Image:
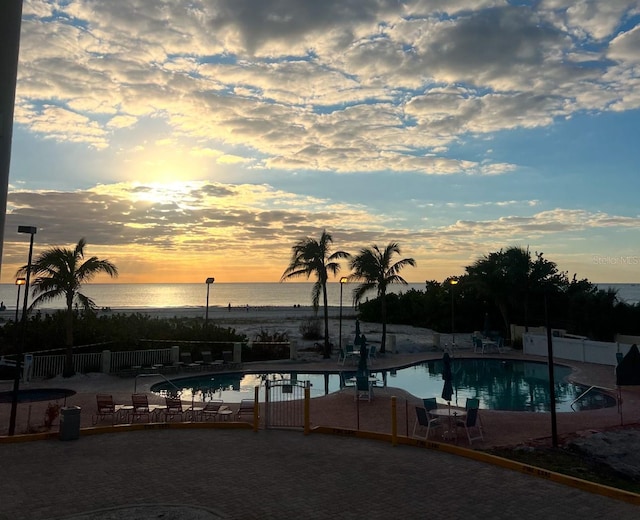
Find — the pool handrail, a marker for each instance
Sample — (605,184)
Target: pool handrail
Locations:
(135,384)
(593,387)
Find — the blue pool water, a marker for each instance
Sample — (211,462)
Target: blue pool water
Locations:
(498,384)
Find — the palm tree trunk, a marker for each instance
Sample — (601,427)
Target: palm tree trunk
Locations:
(68,362)
(383,341)
(327,346)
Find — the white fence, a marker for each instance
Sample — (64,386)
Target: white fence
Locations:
(105,361)
(49,366)
(584,350)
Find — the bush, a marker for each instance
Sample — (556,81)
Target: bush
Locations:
(311,329)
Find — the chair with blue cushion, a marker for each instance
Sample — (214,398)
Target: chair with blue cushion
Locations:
(425,422)
(471,425)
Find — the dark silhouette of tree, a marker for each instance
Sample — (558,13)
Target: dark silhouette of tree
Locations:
(374,268)
(60,272)
(313,257)
(510,279)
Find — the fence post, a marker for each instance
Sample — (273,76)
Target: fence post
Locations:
(256,409)
(105,362)
(293,349)
(307,399)
(175,354)
(237,353)
(394,421)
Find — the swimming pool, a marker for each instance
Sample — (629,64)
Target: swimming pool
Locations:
(498,384)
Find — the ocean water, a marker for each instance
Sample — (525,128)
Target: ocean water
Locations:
(147,296)
(141,296)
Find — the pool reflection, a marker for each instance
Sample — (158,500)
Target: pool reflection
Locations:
(498,384)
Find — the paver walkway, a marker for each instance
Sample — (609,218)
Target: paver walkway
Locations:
(272,474)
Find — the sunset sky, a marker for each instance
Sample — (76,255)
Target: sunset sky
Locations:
(193,138)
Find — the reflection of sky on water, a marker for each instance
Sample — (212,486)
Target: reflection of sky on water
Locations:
(500,385)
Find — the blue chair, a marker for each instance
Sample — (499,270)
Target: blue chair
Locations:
(471,425)
(425,421)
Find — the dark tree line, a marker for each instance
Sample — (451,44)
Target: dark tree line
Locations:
(510,287)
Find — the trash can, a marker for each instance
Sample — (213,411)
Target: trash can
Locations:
(70,423)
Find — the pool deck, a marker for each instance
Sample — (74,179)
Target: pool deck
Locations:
(338,409)
(202,474)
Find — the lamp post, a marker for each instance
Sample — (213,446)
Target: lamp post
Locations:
(453,283)
(208,281)
(31,230)
(19,282)
(343,280)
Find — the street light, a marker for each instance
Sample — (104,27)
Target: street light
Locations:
(453,282)
(208,281)
(19,282)
(31,230)
(343,280)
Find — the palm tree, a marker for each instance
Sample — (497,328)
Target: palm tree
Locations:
(374,268)
(314,257)
(59,272)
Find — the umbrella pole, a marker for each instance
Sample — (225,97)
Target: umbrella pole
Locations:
(620,405)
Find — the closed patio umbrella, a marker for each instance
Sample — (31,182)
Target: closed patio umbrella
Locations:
(627,374)
(447,376)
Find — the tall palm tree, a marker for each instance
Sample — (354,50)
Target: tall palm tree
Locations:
(314,257)
(375,269)
(61,272)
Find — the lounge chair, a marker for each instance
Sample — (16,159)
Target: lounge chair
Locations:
(187,362)
(211,409)
(140,407)
(208,361)
(246,407)
(425,422)
(173,408)
(105,407)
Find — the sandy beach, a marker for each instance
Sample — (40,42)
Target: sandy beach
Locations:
(409,345)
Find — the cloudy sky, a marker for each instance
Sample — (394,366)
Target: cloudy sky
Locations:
(191,138)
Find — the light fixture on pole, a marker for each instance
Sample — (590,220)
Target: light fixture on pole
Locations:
(343,280)
(19,282)
(453,283)
(31,230)
(208,281)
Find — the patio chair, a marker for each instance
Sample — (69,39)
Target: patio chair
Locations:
(246,407)
(373,353)
(474,402)
(105,407)
(424,421)
(173,408)
(471,425)
(477,344)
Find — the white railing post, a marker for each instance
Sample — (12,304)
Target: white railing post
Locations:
(175,354)
(237,352)
(105,363)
